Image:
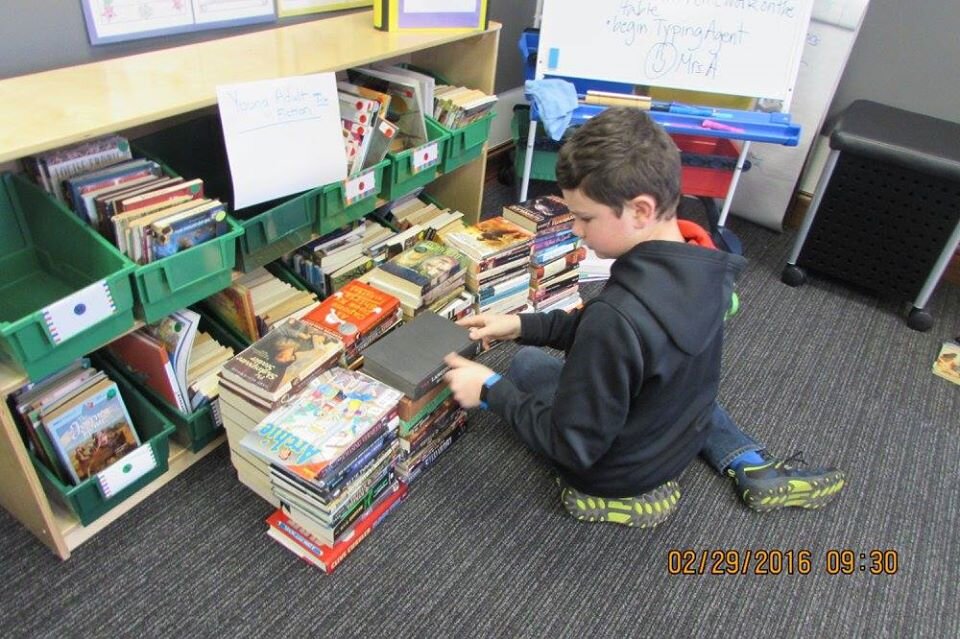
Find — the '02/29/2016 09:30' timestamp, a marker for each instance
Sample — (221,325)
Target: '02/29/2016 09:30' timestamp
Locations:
(775,561)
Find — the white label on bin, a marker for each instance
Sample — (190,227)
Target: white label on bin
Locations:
(359,187)
(79,311)
(126,470)
(424,157)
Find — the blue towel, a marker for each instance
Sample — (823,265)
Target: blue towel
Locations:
(555,100)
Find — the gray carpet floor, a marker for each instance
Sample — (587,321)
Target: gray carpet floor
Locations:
(481,547)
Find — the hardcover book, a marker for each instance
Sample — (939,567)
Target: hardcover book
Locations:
(539,214)
(418,275)
(283,359)
(333,418)
(410,358)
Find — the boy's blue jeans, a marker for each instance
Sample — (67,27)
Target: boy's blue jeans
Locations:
(536,372)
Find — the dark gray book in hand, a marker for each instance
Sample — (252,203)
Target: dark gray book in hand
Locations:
(410,358)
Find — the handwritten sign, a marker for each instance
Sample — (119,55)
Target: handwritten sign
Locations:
(282,136)
(739,47)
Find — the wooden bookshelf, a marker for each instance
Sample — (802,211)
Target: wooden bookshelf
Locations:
(42,111)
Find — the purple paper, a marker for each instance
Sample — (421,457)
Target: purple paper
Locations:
(446,20)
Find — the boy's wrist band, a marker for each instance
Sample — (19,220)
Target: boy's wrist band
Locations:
(487,383)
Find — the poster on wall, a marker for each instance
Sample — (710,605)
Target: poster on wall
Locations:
(287,8)
(119,20)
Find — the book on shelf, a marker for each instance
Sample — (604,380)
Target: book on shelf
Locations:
(319,431)
(91,431)
(50,168)
(539,214)
(81,189)
(410,358)
(282,360)
(327,557)
(406,103)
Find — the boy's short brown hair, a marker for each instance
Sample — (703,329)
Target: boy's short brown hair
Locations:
(620,154)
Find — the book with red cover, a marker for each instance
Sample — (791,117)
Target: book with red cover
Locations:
(353,312)
(328,557)
(148,358)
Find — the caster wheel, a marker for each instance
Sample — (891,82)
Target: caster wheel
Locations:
(793,275)
(920,320)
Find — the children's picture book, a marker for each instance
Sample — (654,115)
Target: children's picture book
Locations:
(336,414)
(170,236)
(282,360)
(947,364)
(177,333)
(92,431)
(353,311)
(489,238)
(149,360)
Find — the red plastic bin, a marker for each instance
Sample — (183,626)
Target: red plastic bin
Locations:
(703,181)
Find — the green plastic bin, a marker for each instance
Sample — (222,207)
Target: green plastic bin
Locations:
(51,261)
(335,211)
(466,143)
(86,500)
(196,149)
(403,174)
(175,282)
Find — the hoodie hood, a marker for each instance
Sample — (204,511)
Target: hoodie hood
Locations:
(685,287)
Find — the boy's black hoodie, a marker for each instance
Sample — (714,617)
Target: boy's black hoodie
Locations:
(641,373)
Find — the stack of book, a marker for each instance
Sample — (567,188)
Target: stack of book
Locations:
(410,359)
(424,277)
(326,263)
(256,302)
(556,253)
(75,422)
(413,212)
(330,451)
(175,359)
(145,213)
(261,378)
(498,261)
(455,106)
(357,314)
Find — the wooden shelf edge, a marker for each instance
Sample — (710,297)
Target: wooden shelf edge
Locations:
(180,460)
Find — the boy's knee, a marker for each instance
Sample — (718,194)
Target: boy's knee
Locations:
(523,364)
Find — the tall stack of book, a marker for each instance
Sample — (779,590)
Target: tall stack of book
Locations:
(330,452)
(556,253)
(424,277)
(357,314)
(256,302)
(498,254)
(262,377)
(410,359)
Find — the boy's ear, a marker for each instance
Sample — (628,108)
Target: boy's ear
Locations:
(644,208)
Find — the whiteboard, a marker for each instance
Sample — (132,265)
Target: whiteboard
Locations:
(737,47)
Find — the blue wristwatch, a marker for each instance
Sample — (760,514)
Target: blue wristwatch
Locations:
(487,383)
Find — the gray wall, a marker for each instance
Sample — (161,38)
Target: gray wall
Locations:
(905,56)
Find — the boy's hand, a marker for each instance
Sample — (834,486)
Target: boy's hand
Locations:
(488,326)
(465,378)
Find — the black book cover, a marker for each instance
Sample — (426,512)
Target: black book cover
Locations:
(410,358)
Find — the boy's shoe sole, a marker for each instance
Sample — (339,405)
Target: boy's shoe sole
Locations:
(644,511)
(811,492)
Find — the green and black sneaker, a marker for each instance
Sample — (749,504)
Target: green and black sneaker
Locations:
(644,511)
(779,483)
